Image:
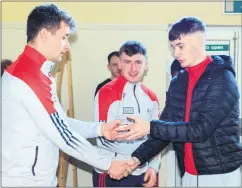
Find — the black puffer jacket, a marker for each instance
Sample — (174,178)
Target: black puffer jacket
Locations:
(213,129)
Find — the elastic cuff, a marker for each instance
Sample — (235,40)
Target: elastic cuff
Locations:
(99,129)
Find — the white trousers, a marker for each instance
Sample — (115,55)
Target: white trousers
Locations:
(232,179)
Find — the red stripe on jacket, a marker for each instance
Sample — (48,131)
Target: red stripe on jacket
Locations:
(28,68)
(151,94)
(104,95)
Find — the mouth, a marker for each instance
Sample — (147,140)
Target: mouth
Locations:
(132,75)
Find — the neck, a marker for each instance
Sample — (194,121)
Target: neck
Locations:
(35,46)
(200,58)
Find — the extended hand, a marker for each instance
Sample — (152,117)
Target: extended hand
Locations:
(134,131)
(150,178)
(119,169)
(133,163)
(108,129)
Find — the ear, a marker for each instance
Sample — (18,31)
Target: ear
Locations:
(108,66)
(44,34)
(146,65)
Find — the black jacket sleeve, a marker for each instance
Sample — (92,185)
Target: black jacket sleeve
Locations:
(221,97)
(151,147)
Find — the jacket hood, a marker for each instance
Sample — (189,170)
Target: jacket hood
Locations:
(221,62)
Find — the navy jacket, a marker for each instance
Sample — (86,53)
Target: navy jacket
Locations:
(213,129)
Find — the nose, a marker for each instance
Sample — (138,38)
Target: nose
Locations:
(119,68)
(133,66)
(67,46)
(176,53)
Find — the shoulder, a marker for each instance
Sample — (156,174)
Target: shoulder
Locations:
(103,83)
(149,92)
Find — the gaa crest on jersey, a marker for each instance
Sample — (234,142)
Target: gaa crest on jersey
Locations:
(128,110)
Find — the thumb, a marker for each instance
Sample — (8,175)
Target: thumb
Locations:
(117,122)
(132,119)
(114,124)
(146,176)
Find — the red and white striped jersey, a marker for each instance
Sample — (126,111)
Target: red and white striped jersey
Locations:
(34,126)
(117,100)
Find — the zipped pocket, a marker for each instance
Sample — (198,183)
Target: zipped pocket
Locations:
(35,159)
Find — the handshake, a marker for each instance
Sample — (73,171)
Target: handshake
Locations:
(120,169)
(114,130)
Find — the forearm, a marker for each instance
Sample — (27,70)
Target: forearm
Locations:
(89,154)
(86,129)
(149,149)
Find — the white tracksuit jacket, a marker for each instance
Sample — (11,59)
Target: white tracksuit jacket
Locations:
(34,126)
(117,100)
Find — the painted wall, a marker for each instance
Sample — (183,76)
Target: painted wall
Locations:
(129,12)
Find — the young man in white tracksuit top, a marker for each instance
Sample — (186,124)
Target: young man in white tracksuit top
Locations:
(34,125)
(121,97)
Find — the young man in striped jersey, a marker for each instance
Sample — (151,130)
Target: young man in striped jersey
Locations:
(34,125)
(119,98)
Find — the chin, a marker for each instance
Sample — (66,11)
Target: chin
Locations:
(183,65)
(134,81)
(58,60)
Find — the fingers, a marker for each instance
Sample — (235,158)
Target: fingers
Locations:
(134,136)
(119,169)
(149,181)
(129,169)
(114,124)
(146,177)
(131,135)
(113,134)
(117,123)
(122,129)
(125,132)
(149,184)
(150,178)
(108,129)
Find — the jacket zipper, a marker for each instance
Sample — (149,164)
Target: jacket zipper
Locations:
(136,99)
(35,160)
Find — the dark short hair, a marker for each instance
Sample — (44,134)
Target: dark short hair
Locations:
(49,17)
(186,26)
(4,64)
(132,48)
(176,67)
(114,53)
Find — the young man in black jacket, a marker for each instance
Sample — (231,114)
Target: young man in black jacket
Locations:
(201,114)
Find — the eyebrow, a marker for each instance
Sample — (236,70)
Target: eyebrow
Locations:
(180,43)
